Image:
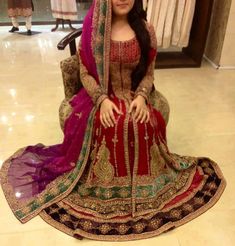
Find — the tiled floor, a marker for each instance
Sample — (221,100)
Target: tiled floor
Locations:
(202,123)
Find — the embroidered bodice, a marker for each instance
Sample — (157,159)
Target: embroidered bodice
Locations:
(124,56)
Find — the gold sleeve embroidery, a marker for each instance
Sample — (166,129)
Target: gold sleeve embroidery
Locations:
(89,83)
(146,85)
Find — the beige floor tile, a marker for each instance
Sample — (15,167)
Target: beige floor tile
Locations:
(212,228)
(52,237)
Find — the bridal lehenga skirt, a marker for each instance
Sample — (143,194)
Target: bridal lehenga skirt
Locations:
(123,184)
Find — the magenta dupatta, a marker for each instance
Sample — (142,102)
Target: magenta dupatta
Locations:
(37,176)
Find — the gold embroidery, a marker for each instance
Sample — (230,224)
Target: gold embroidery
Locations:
(98,192)
(73,164)
(105,228)
(124,193)
(108,193)
(175,213)
(87,225)
(209,170)
(122,229)
(198,200)
(146,137)
(83,190)
(94,90)
(113,207)
(103,169)
(65,217)
(139,227)
(54,210)
(147,146)
(211,185)
(144,193)
(155,223)
(92,157)
(115,140)
(188,207)
(79,115)
(207,192)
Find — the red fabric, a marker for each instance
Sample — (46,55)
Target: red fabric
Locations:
(152,55)
(156,126)
(131,49)
(195,183)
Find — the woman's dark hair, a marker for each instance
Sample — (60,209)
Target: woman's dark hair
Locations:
(136,19)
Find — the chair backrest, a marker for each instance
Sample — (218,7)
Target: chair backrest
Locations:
(70,40)
(70,66)
(71,76)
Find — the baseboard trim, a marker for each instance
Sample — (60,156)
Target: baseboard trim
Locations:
(218,66)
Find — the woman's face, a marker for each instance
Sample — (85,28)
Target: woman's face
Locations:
(122,7)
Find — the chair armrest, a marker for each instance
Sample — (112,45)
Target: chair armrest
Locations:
(160,103)
(70,39)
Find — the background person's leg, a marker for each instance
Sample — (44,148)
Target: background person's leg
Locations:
(28,24)
(15,24)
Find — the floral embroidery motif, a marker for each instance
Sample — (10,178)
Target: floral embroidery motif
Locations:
(105,228)
(124,193)
(122,229)
(103,169)
(79,115)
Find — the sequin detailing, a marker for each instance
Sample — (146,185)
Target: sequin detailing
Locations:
(103,169)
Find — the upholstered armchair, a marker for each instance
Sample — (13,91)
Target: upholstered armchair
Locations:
(72,83)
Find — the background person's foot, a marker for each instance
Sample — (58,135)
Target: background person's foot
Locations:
(14,29)
(29,32)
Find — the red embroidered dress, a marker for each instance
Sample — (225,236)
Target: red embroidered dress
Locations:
(118,183)
(133,187)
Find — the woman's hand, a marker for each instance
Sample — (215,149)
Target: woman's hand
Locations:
(106,113)
(141,110)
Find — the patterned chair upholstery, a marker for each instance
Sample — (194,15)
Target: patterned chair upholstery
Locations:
(72,83)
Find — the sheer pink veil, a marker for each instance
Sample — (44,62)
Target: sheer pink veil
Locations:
(38,175)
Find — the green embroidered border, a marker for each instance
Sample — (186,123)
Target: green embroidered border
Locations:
(100,192)
(100,39)
(64,185)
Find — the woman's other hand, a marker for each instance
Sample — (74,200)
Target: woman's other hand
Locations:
(106,113)
(141,110)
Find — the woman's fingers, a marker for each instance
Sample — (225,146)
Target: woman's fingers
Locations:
(140,115)
(116,109)
(144,118)
(132,105)
(148,117)
(112,117)
(106,120)
(102,120)
(137,112)
(109,120)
